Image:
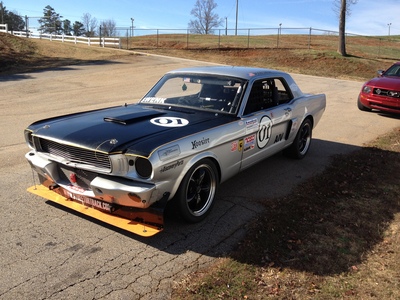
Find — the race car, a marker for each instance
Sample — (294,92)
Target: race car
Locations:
(193,130)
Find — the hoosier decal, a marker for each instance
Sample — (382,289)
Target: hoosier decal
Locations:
(198,143)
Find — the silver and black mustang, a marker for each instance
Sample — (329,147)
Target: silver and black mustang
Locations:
(193,130)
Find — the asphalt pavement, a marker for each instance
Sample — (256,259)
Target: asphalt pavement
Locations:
(50,253)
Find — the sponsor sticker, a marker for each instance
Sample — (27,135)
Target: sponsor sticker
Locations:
(169,152)
(199,143)
(241,142)
(171,166)
(251,125)
(155,100)
(249,142)
(90,201)
(234,146)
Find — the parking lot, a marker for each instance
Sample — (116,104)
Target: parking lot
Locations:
(51,253)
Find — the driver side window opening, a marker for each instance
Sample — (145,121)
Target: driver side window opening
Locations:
(267,93)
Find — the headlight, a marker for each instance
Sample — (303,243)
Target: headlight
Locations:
(143,167)
(367,89)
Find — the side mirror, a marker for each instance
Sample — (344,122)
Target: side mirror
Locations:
(380,72)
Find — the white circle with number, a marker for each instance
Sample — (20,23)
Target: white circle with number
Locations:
(264,132)
(169,122)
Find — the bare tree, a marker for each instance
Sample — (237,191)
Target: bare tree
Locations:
(108,28)
(90,24)
(342,7)
(206,20)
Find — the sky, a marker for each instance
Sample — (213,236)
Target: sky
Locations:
(368,17)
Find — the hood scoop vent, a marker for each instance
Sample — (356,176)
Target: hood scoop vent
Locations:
(133,117)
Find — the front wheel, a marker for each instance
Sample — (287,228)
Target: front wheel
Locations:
(302,141)
(197,191)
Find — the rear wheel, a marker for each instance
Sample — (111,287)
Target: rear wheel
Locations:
(197,191)
(302,141)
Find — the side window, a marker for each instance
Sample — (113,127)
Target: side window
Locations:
(267,93)
(284,93)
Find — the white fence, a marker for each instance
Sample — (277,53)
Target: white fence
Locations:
(103,41)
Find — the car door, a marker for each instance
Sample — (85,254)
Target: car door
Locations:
(267,115)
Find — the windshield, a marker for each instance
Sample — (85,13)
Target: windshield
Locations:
(393,71)
(214,93)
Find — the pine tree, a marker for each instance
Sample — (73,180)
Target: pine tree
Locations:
(78,28)
(51,21)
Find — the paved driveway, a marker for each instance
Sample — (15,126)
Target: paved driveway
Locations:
(49,253)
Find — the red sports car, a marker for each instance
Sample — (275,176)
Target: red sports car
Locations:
(382,92)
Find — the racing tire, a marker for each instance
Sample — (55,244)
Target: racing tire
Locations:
(361,106)
(197,191)
(302,141)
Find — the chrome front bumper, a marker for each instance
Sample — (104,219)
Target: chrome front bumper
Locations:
(106,188)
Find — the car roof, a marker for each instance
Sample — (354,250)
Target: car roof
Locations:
(234,71)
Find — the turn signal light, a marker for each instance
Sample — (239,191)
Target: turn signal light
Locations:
(134,197)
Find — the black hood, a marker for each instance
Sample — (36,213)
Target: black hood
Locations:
(137,129)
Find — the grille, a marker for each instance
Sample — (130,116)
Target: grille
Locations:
(76,154)
(388,93)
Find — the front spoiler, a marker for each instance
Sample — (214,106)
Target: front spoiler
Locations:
(143,222)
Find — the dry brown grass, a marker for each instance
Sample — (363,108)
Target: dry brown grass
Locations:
(19,54)
(334,236)
(22,55)
(310,62)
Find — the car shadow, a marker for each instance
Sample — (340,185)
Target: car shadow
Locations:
(266,191)
(389,116)
(241,198)
(256,192)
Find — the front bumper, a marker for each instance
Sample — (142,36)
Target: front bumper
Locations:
(131,205)
(382,103)
(107,188)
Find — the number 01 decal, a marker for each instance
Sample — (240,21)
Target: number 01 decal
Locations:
(169,122)
(264,132)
